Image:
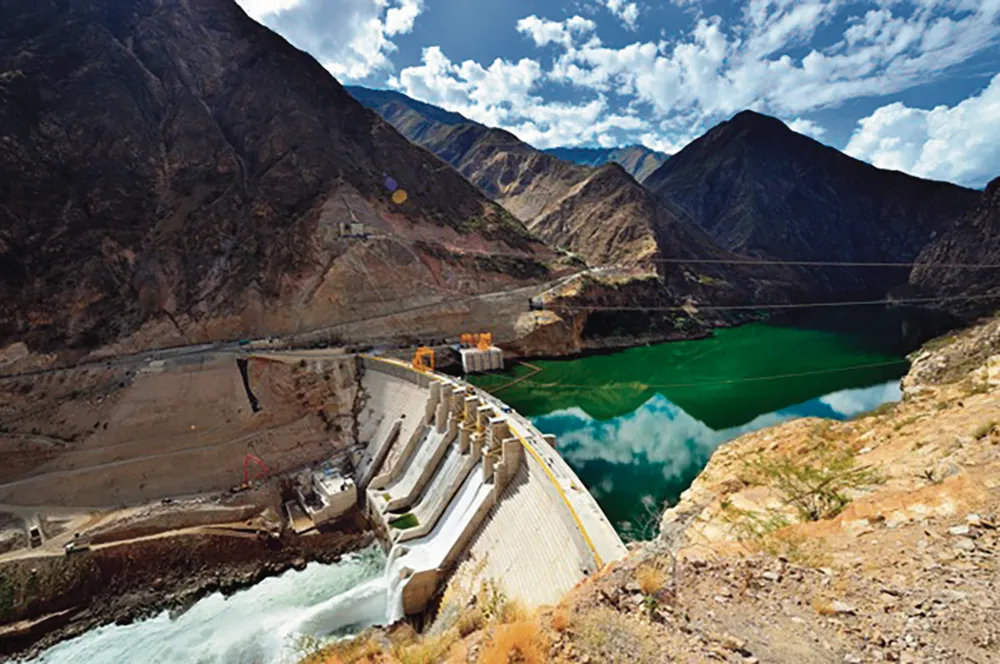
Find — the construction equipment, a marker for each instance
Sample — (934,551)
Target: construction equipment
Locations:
(482,341)
(423,359)
(260,474)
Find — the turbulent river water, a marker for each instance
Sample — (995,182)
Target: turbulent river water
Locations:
(637,426)
(266,624)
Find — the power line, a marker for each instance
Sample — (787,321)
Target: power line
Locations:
(767,261)
(695,308)
(661,386)
(754,261)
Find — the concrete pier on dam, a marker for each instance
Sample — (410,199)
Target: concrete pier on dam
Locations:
(465,490)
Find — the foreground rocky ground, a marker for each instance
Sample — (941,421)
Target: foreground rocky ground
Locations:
(864,541)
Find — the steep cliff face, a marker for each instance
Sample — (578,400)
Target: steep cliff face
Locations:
(759,188)
(972,240)
(179,168)
(612,217)
(637,160)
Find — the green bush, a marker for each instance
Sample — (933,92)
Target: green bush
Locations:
(816,487)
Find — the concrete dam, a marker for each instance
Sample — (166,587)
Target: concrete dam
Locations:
(461,486)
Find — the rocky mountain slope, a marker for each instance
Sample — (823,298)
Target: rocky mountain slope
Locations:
(602,214)
(637,160)
(759,188)
(973,240)
(175,172)
(900,563)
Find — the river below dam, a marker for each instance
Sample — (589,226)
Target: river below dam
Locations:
(273,622)
(638,426)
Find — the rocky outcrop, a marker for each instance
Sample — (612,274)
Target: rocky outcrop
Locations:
(178,170)
(973,240)
(759,188)
(637,160)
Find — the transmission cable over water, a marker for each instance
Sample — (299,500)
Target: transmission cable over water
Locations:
(639,385)
(792,305)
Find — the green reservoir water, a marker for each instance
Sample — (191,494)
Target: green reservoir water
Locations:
(638,425)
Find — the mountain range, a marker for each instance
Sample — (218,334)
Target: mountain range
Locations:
(637,160)
(751,185)
(176,173)
(602,214)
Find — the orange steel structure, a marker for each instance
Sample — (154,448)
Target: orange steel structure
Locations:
(482,341)
(423,359)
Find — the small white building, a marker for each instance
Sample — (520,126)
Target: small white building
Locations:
(475,360)
(328,495)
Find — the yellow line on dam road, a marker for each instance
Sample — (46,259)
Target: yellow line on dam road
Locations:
(534,453)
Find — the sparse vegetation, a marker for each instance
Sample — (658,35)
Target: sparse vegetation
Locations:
(984,429)
(520,641)
(877,411)
(560,619)
(604,635)
(931,475)
(816,488)
(651,579)
(645,526)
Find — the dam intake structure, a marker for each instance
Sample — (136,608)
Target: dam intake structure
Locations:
(460,487)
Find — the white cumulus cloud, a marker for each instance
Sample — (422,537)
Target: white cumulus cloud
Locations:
(504,95)
(543,31)
(624,11)
(957,143)
(807,127)
(351,38)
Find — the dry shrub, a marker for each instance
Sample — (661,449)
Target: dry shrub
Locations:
(606,636)
(470,621)
(520,642)
(513,611)
(360,650)
(560,619)
(427,649)
(651,579)
(824,607)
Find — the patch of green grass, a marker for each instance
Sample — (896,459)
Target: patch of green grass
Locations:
(404,522)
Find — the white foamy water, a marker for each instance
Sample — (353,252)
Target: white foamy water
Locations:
(259,625)
(265,624)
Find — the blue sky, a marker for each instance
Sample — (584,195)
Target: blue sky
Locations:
(906,84)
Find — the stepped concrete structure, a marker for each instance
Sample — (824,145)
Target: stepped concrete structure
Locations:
(456,481)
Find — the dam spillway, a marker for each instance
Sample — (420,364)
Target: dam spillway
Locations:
(462,487)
